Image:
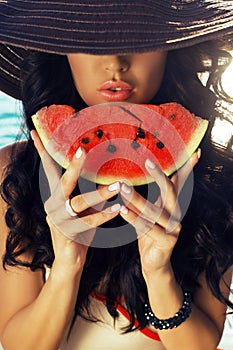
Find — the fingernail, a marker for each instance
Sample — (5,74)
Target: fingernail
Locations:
(199,153)
(78,153)
(115,207)
(32,136)
(150,164)
(124,210)
(126,189)
(114,187)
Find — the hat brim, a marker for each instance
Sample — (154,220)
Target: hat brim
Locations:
(103,27)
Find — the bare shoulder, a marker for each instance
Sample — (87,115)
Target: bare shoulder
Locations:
(207,302)
(18,286)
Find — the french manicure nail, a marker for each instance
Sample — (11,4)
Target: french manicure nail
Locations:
(114,187)
(115,207)
(126,189)
(124,210)
(199,153)
(150,164)
(78,153)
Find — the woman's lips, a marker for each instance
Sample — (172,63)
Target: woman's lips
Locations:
(115,91)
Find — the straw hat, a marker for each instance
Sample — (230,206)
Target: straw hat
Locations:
(103,27)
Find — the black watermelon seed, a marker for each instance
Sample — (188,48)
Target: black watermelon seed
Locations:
(160,145)
(135,144)
(172,117)
(85,140)
(111,148)
(99,133)
(141,133)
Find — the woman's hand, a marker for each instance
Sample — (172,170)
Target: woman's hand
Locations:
(157,224)
(72,235)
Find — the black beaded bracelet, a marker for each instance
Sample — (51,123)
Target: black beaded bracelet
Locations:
(172,322)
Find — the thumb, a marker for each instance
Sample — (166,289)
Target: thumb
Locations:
(180,177)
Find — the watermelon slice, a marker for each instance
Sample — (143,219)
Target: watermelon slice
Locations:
(119,137)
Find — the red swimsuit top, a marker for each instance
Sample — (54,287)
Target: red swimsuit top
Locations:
(120,308)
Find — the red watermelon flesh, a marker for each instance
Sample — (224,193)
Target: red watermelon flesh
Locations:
(119,137)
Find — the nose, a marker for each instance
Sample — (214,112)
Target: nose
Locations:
(116,64)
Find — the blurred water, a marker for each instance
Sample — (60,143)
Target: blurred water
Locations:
(10,119)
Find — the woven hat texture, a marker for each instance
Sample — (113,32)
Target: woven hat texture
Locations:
(103,27)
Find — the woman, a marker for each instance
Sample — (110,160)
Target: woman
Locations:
(110,298)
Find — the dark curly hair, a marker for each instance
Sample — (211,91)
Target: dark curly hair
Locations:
(206,241)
